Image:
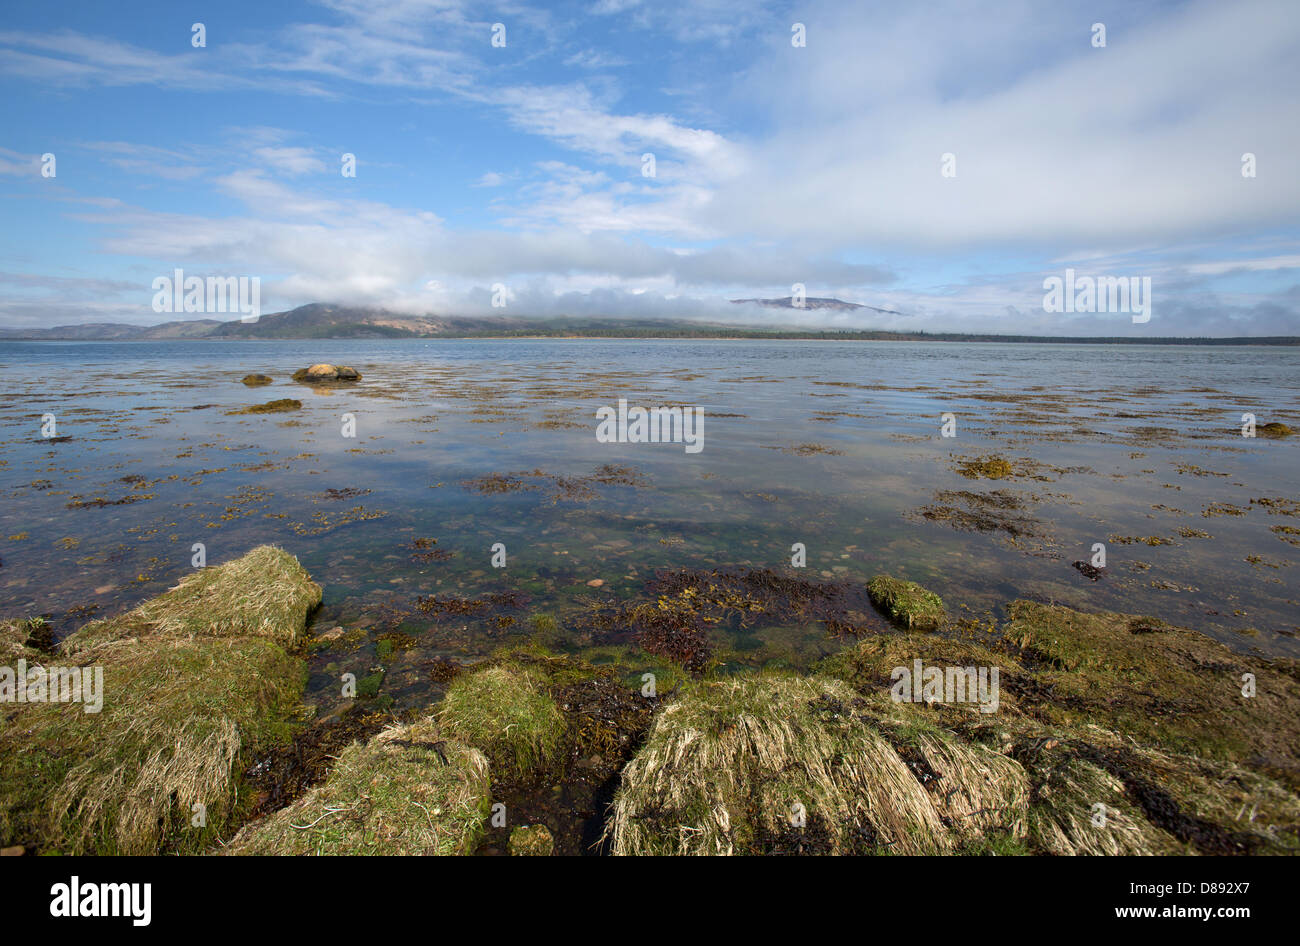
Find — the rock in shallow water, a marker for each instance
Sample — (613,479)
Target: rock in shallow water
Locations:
(325,373)
(531,841)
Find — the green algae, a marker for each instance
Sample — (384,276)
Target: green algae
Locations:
(1167,686)
(988,468)
(906,603)
(278,406)
(868,666)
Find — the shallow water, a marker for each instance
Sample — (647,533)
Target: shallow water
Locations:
(1110,443)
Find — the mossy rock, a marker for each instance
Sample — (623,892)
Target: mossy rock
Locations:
(195,682)
(869,666)
(408,791)
(782,764)
(1274,429)
(906,603)
(280,406)
(1165,686)
(531,841)
(504,711)
(257,380)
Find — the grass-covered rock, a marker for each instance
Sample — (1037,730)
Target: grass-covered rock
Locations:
(1134,735)
(761,765)
(264,594)
(906,603)
(1081,809)
(504,710)
(1167,687)
(783,764)
(408,791)
(1096,793)
(195,681)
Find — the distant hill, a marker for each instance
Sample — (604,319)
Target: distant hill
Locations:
(321,320)
(117,331)
(813,302)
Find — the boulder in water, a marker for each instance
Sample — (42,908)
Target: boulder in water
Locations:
(326,373)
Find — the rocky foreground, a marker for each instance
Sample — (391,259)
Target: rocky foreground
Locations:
(1109,734)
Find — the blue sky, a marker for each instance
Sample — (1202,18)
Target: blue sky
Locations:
(775,164)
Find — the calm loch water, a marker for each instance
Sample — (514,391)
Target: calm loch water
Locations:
(463,444)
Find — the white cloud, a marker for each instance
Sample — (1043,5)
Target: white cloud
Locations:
(595,59)
(1140,140)
(1219,267)
(291,160)
(572,116)
(147,160)
(17,163)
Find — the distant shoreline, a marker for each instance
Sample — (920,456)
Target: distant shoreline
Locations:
(317,321)
(1272,341)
